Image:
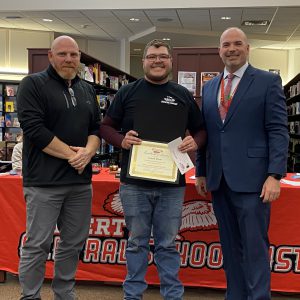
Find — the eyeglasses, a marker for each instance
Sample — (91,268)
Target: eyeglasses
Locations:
(73,99)
(154,57)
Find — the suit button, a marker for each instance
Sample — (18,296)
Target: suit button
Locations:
(222,131)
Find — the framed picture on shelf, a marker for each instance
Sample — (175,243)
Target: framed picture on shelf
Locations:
(206,76)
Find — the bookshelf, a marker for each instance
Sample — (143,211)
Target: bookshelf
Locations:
(9,123)
(106,81)
(292,93)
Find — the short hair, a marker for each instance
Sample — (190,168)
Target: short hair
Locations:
(157,43)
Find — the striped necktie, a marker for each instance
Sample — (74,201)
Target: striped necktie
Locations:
(224,105)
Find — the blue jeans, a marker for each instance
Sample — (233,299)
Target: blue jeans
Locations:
(156,210)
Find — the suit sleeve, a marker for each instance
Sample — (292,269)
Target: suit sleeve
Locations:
(276,127)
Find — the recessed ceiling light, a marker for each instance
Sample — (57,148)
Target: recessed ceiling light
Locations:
(225,18)
(13,17)
(84,25)
(166,39)
(164,20)
(256,23)
(137,49)
(47,20)
(134,19)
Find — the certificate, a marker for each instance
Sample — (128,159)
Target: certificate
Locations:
(152,161)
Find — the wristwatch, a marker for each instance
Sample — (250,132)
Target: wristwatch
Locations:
(276,176)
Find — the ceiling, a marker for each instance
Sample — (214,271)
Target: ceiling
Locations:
(185,27)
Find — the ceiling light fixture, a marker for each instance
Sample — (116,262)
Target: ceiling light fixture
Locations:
(225,18)
(166,39)
(134,19)
(256,23)
(47,20)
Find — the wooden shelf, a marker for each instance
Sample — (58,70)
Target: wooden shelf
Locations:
(293,100)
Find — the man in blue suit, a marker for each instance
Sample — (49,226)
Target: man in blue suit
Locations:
(243,162)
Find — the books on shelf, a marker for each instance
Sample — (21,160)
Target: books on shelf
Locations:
(11,120)
(9,106)
(11,90)
(1,120)
(93,73)
(11,134)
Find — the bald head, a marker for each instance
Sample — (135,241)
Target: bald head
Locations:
(64,56)
(234,48)
(62,40)
(235,30)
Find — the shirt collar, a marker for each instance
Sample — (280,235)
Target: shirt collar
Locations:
(239,73)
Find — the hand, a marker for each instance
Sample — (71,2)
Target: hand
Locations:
(200,184)
(270,190)
(80,159)
(188,144)
(130,139)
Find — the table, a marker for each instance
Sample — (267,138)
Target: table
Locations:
(103,257)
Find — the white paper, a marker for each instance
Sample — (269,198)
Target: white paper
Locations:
(182,160)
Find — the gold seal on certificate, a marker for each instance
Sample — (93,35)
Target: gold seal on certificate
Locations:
(152,161)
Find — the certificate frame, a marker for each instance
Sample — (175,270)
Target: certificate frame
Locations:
(152,161)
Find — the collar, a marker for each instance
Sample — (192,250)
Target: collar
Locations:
(52,73)
(239,73)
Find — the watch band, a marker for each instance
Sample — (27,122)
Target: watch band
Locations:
(276,176)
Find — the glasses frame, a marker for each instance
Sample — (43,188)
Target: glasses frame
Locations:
(160,57)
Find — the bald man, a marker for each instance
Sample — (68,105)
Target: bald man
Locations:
(59,115)
(244,109)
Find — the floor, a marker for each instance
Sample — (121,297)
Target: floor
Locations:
(10,290)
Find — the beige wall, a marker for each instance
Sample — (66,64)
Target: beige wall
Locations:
(14,44)
(297,61)
(271,59)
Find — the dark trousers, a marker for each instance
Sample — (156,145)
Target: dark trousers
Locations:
(243,221)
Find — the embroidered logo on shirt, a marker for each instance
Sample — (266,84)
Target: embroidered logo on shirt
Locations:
(169,100)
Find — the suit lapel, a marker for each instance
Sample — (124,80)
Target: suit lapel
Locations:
(241,90)
(215,105)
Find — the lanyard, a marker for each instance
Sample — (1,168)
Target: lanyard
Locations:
(226,102)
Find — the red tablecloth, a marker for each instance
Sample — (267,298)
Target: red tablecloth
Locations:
(103,257)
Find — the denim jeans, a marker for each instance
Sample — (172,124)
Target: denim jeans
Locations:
(157,210)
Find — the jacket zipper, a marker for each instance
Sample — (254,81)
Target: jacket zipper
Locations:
(67,101)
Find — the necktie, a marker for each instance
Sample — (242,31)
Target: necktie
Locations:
(224,105)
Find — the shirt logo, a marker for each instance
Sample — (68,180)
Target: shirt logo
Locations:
(169,100)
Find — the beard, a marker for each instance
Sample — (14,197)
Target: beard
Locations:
(65,72)
(67,75)
(152,76)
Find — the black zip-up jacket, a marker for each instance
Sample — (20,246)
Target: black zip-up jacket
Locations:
(46,109)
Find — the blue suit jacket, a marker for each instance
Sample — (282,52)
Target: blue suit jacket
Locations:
(253,140)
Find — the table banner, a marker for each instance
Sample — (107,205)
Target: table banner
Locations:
(103,255)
